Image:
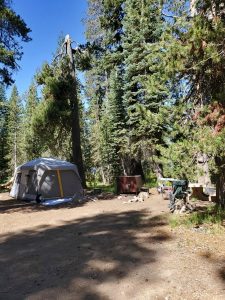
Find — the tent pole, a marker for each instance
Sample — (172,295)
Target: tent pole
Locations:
(60,183)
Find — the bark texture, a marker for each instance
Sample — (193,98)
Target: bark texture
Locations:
(220,182)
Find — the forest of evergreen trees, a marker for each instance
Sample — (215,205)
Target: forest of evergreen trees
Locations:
(153,99)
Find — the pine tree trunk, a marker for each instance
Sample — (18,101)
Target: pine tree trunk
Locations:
(137,169)
(76,147)
(220,182)
(103,175)
(15,151)
(76,140)
(203,169)
(123,166)
(193,7)
(158,171)
(133,167)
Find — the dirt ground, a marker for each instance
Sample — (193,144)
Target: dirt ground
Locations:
(106,249)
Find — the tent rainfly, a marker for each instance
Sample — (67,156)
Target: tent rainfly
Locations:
(46,178)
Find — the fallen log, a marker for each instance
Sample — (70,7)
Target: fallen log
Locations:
(7,185)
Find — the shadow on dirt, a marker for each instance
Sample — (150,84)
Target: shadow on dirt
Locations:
(77,257)
(218,263)
(222,273)
(10,205)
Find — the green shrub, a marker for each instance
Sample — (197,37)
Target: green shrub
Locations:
(150,180)
(212,215)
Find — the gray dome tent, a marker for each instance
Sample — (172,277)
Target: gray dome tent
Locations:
(46,178)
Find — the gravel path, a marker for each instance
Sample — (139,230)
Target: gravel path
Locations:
(106,249)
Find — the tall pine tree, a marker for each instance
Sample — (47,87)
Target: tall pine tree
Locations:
(142,27)
(103,31)
(15,155)
(32,144)
(3,133)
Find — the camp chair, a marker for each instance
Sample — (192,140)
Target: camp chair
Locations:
(179,191)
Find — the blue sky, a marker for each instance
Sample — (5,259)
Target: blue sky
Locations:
(47,19)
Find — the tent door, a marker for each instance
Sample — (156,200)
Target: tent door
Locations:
(70,183)
(31,183)
(49,185)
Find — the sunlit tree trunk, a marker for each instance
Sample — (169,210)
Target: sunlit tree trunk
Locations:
(220,182)
(193,7)
(15,149)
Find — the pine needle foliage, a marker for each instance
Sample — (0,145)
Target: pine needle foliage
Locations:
(13,31)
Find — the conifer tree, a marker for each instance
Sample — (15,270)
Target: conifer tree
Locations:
(13,29)
(14,131)
(3,133)
(103,31)
(59,111)
(32,143)
(142,27)
(51,121)
(112,121)
(207,68)
(196,56)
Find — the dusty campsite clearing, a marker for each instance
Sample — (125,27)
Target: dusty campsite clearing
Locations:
(106,249)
